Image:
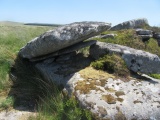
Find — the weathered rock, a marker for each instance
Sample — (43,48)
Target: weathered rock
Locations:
(62,37)
(102,94)
(69,49)
(158,41)
(140,99)
(145,37)
(136,60)
(136,23)
(156,35)
(143,32)
(106,96)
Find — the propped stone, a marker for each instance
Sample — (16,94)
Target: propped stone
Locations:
(143,32)
(69,49)
(136,23)
(136,60)
(62,37)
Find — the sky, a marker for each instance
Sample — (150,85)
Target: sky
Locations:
(68,11)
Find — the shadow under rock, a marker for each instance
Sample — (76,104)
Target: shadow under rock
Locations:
(29,85)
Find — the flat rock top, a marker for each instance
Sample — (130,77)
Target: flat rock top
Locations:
(62,37)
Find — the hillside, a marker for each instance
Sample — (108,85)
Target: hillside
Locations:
(37,82)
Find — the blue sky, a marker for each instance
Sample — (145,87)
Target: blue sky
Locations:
(68,11)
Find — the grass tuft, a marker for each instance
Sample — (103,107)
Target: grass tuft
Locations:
(112,64)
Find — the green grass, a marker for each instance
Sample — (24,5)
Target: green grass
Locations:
(27,88)
(12,38)
(130,39)
(113,64)
(48,98)
(6,103)
(157,76)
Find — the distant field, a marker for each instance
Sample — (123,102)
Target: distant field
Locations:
(10,23)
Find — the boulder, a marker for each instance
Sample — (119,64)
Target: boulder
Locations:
(67,50)
(100,92)
(114,99)
(62,37)
(156,35)
(145,37)
(136,60)
(143,32)
(136,23)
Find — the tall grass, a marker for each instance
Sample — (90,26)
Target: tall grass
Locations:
(31,91)
(28,88)
(12,38)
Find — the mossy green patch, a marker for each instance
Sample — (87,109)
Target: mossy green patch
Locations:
(112,64)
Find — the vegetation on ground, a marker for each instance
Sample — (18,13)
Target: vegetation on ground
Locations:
(27,87)
(131,39)
(113,64)
(157,76)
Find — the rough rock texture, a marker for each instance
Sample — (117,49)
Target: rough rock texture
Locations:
(102,94)
(144,34)
(69,49)
(157,37)
(117,100)
(136,60)
(136,23)
(62,37)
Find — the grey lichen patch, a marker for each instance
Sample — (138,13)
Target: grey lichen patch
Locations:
(119,93)
(102,111)
(109,99)
(120,99)
(137,101)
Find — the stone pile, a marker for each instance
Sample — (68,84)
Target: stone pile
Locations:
(144,34)
(54,55)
